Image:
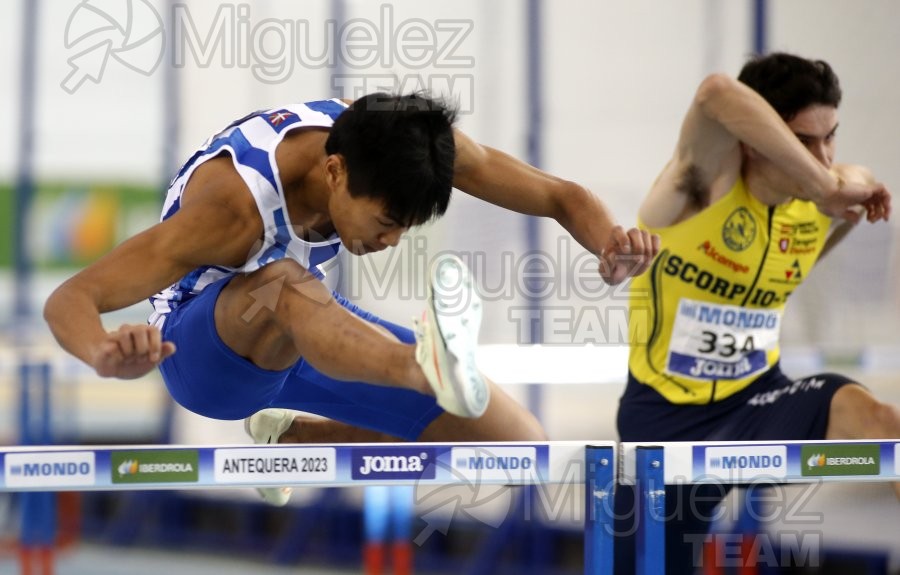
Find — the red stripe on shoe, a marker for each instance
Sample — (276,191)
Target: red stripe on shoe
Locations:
(437,367)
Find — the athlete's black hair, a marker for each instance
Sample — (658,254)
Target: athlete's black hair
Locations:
(400,149)
(790,83)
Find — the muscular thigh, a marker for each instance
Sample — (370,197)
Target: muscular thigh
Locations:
(397,412)
(856,414)
(252,312)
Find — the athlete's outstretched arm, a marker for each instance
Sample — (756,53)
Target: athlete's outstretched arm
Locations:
(502,180)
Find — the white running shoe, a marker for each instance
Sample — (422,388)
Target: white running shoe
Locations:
(446,339)
(266,427)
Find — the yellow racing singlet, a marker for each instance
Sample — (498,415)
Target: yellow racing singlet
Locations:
(706,317)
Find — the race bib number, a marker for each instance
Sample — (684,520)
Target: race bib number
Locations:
(713,341)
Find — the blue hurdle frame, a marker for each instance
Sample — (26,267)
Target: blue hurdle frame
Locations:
(650,510)
(599,483)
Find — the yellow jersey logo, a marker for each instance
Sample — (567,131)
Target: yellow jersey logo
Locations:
(739,230)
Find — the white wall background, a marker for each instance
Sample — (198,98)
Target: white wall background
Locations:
(618,76)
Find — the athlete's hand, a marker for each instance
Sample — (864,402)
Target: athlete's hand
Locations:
(840,203)
(627,254)
(878,206)
(130,352)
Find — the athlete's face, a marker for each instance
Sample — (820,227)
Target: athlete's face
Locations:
(362,223)
(816,127)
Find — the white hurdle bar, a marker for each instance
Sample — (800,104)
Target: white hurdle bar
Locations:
(121,468)
(652,466)
(741,462)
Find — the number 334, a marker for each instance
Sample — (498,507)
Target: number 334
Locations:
(725,344)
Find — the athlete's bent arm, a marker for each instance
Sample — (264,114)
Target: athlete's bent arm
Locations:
(841,228)
(502,180)
(211,227)
(707,159)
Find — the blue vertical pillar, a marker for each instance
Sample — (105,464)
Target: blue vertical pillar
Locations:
(598,514)
(650,503)
(171,102)
(24,188)
(38,520)
(760,27)
(35,406)
(535,134)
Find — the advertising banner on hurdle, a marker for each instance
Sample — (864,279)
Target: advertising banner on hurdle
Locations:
(186,467)
(781,462)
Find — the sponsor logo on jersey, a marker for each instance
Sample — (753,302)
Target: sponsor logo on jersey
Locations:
(803,246)
(691,273)
(710,250)
(798,239)
(799,228)
(794,274)
(739,230)
(731,316)
(770,397)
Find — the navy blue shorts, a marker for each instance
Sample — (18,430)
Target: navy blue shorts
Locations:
(774,407)
(208,378)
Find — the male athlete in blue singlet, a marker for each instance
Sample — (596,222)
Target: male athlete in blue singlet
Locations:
(748,203)
(267,201)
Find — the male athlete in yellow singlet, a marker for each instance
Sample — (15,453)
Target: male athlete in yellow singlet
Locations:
(749,202)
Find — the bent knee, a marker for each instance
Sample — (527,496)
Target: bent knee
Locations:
(857,414)
(885,421)
(536,432)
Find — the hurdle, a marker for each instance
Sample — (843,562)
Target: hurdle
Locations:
(652,466)
(648,466)
(185,467)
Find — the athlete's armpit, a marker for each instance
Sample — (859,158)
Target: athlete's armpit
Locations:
(691,184)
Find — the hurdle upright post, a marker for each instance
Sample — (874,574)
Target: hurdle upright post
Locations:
(650,510)
(599,466)
(38,509)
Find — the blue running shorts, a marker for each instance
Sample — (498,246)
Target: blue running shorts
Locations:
(205,376)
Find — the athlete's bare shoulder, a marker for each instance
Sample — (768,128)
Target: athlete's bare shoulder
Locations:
(217,202)
(218,181)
